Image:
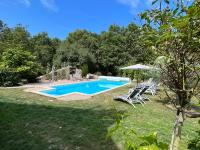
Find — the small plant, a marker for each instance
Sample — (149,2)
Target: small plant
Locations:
(9,77)
(85,70)
(61,74)
(48,76)
(98,73)
(133,140)
(194,144)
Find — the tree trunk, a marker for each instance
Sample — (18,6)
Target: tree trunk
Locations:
(176,135)
(53,74)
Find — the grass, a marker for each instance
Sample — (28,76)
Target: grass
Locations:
(31,121)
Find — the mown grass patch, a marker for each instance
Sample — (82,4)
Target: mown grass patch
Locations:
(31,121)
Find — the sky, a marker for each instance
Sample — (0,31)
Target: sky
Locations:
(59,17)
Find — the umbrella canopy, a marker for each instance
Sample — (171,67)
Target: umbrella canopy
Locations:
(138,67)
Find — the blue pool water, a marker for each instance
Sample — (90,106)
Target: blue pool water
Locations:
(89,87)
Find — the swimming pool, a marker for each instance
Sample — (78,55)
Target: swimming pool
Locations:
(86,88)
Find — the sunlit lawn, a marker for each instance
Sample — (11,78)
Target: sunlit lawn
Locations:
(30,121)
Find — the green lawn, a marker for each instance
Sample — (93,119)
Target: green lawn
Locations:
(30,121)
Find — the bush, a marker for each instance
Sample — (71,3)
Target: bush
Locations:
(85,70)
(134,140)
(48,76)
(194,144)
(9,78)
(109,74)
(17,64)
(98,73)
(24,81)
(61,74)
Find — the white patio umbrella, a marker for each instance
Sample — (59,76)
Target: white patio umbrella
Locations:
(139,67)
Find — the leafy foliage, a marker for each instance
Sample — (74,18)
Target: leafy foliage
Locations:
(73,55)
(103,53)
(133,140)
(20,62)
(12,37)
(8,77)
(194,143)
(176,41)
(107,51)
(85,70)
(44,48)
(18,50)
(173,33)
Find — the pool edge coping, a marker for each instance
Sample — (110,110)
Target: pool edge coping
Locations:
(48,95)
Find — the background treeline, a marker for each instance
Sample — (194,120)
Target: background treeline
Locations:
(23,57)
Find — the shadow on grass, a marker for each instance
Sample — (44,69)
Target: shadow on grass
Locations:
(164,100)
(39,127)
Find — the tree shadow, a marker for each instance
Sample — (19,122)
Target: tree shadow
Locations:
(164,101)
(36,127)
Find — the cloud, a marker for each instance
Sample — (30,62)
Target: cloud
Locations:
(50,4)
(27,3)
(136,6)
(131,3)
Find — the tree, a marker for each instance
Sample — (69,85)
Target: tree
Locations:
(120,45)
(13,37)
(113,53)
(73,55)
(44,48)
(138,51)
(20,62)
(84,39)
(77,50)
(174,34)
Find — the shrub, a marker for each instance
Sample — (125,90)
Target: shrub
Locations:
(17,64)
(24,81)
(48,76)
(61,74)
(85,70)
(134,140)
(109,74)
(194,144)
(9,77)
(98,73)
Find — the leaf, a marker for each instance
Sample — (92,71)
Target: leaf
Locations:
(155,1)
(151,139)
(164,26)
(149,147)
(194,98)
(148,21)
(166,1)
(163,146)
(161,60)
(143,15)
(175,11)
(112,130)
